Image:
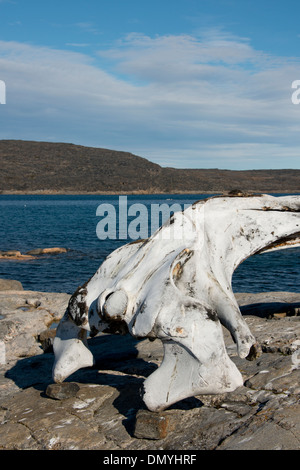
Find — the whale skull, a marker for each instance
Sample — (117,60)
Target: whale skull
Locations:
(176,286)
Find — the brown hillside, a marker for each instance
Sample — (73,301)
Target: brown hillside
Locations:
(31,167)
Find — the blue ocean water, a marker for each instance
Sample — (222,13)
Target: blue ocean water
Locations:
(42,221)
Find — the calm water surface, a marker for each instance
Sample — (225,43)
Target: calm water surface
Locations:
(29,222)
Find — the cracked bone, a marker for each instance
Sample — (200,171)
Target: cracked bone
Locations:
(176,286)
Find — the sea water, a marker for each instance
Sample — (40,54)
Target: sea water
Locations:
(70,221)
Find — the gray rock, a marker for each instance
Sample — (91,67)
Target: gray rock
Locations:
(6,327)
(150,425)
(276,426)
(10,253)
(62,391)
(8,284)
(14,255)
(46,339)
(24,316)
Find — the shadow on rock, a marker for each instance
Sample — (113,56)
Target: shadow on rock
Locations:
(269,309)
(32,371)
(121,362)
(111,352)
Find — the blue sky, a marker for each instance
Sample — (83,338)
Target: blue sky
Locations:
(184,83)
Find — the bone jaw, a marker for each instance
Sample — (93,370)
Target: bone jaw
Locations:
(70,350)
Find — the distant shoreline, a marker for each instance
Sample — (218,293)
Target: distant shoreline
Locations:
(142,193)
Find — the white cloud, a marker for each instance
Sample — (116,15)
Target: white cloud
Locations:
(77,44)
(88,27)
(209,101)
(170,58)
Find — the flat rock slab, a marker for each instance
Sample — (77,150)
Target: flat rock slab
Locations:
(24,315)
(15,255)
(8,285)
(101,408)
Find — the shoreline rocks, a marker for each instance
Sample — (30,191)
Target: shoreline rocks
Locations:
(100,407)
(16,255)
(47,251)
(9,284)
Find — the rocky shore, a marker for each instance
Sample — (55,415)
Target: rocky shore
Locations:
(16,255)
(100,407)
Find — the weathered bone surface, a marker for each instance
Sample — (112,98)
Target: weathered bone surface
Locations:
(176,286)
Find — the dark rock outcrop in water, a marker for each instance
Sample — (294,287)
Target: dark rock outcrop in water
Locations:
(30,167)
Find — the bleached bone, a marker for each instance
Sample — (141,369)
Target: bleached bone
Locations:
(176,286)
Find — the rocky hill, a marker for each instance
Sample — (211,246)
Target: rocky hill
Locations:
(33,167)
